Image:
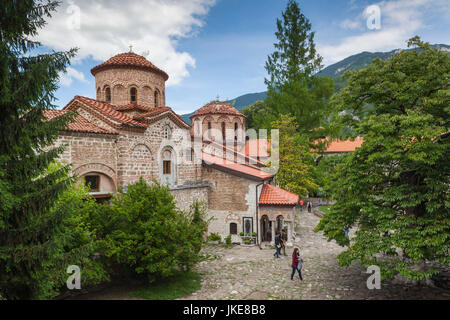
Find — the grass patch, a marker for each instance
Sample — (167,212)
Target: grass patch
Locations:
(325,209)
(171,288)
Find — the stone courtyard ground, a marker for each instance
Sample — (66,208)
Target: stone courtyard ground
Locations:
(252,273)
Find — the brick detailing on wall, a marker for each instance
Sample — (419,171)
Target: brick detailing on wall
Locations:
(121,80)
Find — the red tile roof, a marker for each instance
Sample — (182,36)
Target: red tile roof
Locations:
(235,167)
(217,107)
(132,106)
(257,148)
(344,146)
(271,195)
(108,111)
(80,124)
(152,112)
(127,60)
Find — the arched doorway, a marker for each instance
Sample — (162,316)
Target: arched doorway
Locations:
(280,224)
(266,229)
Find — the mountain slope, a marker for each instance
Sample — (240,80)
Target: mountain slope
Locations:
(334,71)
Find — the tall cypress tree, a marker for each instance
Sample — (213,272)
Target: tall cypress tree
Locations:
(293,87)
(27,83)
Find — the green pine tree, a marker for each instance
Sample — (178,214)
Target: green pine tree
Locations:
(293,87)
(27,83)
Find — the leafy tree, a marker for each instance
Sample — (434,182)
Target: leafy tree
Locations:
(293,86)
(149,235)
(27,83)
(296,163)
(324,173)
(395,187)
(256,114)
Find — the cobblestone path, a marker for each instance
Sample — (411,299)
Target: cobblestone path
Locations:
(252,273)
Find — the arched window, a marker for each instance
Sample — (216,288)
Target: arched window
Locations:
(166,133)
(233,228)
(133,95)
(223,131)
(167,163)
(189,154)
(108,94)
(156,98)
(93,182)
(209,129)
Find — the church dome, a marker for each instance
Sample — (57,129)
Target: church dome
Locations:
(217,107)
(129,60)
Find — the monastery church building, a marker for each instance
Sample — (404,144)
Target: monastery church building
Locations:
(128,132)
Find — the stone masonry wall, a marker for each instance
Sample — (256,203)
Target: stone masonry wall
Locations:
(186,196)
(121,80)
(90,153)
(231,198)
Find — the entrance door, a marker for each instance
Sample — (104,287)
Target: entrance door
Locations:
(280,223)
(266,229)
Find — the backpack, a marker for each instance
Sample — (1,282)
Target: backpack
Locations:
(300,263)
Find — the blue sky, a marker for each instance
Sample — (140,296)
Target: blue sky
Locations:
(212,48)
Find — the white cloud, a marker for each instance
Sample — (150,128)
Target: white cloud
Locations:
(400,20)
(103,28)
(349,24)
(66,79)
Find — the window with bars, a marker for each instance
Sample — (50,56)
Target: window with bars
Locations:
(93,182)
(108,94)
(133,95)
(167,168)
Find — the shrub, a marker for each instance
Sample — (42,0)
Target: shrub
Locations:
(214,237)
(241,234)
(254,234)
(149,235)
(228,240)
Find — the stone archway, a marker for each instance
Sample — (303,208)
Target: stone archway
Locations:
(266,229)
(279,223)
(106,174)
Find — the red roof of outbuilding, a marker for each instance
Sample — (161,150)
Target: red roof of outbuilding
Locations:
(344,146)
(271,195)
(80,124)
(127,60)
(217,107)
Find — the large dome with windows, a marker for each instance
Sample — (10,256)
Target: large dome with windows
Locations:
(130,78)
(127,60)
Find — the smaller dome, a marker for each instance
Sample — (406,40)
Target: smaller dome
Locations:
(129,60)
(217,107)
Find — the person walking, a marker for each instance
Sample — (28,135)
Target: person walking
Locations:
(301,205)
(297,264)
(277,245)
